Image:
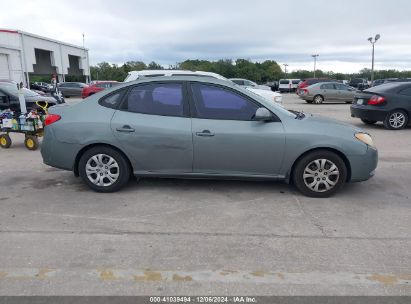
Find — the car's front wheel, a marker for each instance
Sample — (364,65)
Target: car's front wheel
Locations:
(320,173)
(104,169)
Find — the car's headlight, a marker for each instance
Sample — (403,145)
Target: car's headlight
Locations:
(365,138)
(278,99)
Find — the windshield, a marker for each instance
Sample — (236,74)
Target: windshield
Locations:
(12,90)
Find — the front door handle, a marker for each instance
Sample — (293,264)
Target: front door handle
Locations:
(205,133)
(125,129)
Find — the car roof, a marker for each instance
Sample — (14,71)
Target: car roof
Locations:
(171,72)
(174,78)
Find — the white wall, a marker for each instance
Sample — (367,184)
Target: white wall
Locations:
(11,43)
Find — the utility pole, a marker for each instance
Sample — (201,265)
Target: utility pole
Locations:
(88,61)
(315,62)
(378,36)
(285,69)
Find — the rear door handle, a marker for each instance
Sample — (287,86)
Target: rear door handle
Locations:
(125,129)
(205,133)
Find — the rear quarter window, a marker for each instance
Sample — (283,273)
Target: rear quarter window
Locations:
(112,100)
(406,91)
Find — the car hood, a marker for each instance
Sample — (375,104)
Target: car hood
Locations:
(325,122)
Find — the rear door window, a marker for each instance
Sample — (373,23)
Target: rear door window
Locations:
(165,99)
(327,86)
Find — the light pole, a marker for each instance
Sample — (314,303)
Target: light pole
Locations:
(285,69)
(315,62)
(378,36)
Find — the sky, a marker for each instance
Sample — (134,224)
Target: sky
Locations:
(171,31)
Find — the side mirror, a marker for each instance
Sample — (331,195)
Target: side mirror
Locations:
(262,114)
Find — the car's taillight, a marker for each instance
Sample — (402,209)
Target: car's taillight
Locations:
(51,118)
(305,91)
(376,100)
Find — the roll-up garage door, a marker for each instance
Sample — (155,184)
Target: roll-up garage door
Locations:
(4,67)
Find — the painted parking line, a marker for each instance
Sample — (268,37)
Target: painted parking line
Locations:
(218,276)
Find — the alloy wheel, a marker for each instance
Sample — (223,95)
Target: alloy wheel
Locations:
(397,120)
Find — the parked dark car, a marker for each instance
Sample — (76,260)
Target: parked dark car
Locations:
(310,81)
(41,86)
(9,98)
(359,83)
(389,103)
(70,89)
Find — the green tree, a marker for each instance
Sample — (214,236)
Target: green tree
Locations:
(154,66)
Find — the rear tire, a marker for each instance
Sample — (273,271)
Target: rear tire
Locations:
(104,169)
(368,122)
(396,120)
(318,99)
(320,174)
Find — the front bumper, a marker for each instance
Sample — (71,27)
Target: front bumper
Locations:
(363,166)
(365,112)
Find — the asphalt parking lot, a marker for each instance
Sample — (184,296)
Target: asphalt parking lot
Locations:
(178,237)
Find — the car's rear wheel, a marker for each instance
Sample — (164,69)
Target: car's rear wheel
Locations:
(318,99)
(104,169)
(368,122)
(396,120)
(320,174)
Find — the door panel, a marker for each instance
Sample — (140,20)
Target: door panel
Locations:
(156,143)
(227,140)
(230,147)
(153,128)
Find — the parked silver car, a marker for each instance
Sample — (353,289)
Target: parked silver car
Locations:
(200,127)
(327,92)
(69,89)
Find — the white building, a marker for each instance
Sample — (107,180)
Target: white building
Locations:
(23,55)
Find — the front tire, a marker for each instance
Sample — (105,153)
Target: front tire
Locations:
(104,169)
(396,120)
(320,174)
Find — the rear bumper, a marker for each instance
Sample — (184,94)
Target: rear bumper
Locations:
(58,154)
(365,112)
(363,166)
